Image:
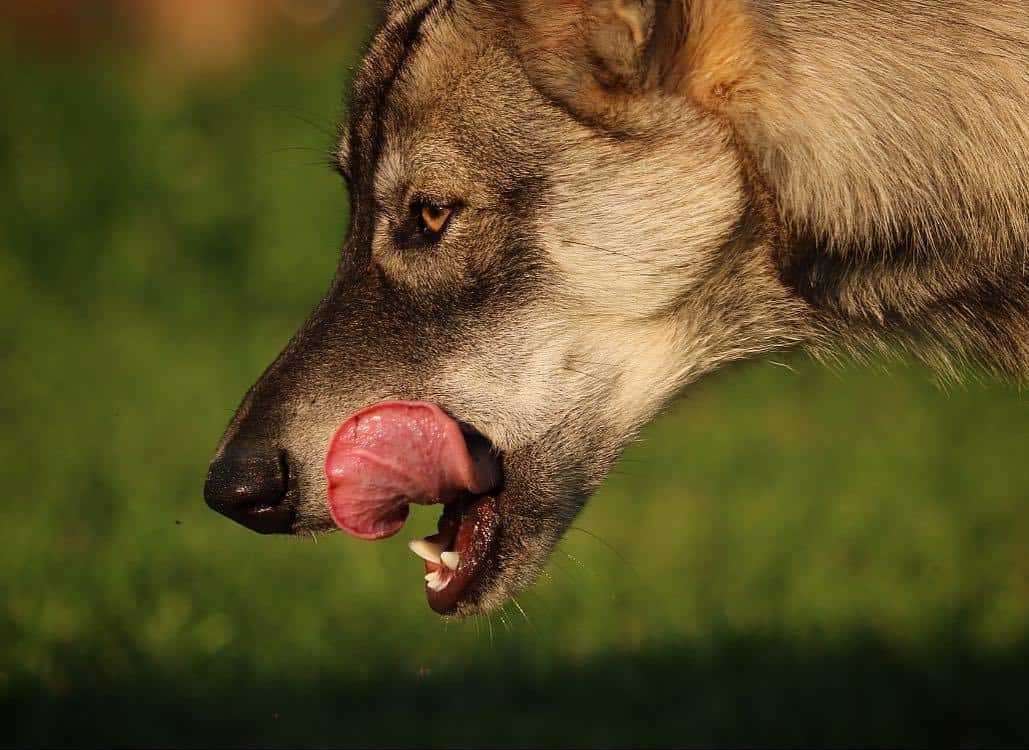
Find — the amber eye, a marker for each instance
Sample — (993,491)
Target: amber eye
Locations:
(425,225)
(434,219)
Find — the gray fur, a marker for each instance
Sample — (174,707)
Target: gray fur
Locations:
(650,190)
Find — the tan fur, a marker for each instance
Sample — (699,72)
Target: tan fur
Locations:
(645,191)
(893,139)
(918,124)
(718,61)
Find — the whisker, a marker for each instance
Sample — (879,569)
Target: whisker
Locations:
(306,120)
(784,366)
(528,622)
(626,256)
(575,560)
(598,379)
(626,474)
(500,613)
(565,571)
(610,547)
(306,149)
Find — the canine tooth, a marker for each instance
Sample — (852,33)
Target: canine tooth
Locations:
(426,550)
(439,584)
(432,577)
(451,559)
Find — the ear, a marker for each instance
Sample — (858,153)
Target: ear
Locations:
(596,56)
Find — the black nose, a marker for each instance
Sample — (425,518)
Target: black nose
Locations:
(249,486)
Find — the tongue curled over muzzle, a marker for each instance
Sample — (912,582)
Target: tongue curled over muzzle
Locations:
(395,453)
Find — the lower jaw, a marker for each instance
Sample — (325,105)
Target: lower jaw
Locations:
(470,528)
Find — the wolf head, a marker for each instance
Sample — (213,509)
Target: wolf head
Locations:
(547,243)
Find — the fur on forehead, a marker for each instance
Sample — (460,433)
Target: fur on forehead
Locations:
(462,115)
(394,8)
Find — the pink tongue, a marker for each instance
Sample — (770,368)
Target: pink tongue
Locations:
(395,453)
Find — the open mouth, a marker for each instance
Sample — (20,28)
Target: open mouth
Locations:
(396,453)
(461,548)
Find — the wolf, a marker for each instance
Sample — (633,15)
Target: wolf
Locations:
(563,212)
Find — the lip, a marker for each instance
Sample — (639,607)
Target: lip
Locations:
(392,454)
(470,528)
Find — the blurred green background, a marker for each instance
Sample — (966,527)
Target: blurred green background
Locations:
(794,555)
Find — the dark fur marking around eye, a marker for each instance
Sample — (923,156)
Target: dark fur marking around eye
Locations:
(424,225)
(368,121)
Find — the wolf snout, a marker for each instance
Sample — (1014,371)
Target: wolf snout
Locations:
(249,484)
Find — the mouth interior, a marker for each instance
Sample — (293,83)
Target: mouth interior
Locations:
(394,453)
(461,548)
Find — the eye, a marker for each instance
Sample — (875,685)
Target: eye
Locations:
(431,220)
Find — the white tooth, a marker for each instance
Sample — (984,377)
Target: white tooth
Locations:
(439,584)
(432,577)
(451,559)
(426,550)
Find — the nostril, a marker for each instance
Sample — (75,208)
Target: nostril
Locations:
(250,486)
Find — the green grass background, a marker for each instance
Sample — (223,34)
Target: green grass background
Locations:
(791,556)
